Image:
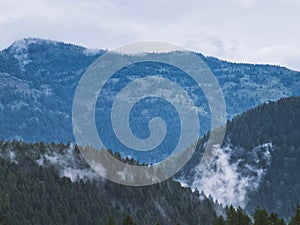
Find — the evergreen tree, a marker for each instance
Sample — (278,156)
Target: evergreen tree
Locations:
(296,218)
(111,221)
(219,221)
(231,216)
(237,217)
(261,217)
(2,222)
(128,221)
(243,218)
(275,220)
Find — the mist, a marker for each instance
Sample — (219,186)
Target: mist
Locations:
(233,174)
(69,164)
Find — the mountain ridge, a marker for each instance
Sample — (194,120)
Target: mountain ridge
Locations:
(96,50)
(258,163)
(37,94)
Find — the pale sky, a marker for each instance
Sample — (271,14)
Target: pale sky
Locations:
(259,31)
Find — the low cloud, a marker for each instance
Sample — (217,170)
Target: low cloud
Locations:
(68,164)
(229,178)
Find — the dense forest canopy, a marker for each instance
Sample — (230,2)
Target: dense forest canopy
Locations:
(275,124)
(35,194)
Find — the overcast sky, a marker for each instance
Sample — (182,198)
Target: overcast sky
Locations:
(261,31)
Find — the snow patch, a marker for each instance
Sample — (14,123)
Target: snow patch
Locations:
(20,51)
(91,51)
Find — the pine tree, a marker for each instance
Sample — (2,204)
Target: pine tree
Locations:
(243,218)
(261,217)
(275,220)
(231,216)
(296,218)
(128,221)
(219,221)
(237,217)
(111,221)
(2,218)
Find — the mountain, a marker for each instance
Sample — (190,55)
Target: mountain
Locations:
(52,184)
(39,79)
(258,164)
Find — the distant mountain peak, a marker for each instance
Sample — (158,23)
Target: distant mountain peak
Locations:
(19,49)
(22,44)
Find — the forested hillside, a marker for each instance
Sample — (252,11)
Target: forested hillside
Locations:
(257,165)
(33,190)
(51,182)
(263,147)
(38,79)
(259,217)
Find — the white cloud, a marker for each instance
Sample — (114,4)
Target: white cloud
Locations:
(228,182)
(246,2)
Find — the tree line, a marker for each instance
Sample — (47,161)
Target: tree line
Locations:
(259,217)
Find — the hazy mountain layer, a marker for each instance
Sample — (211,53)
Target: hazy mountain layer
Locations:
(38,79)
